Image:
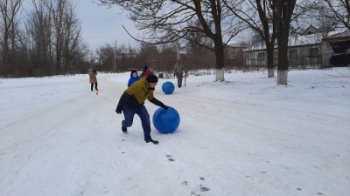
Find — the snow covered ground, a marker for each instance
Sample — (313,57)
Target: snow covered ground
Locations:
(245,137)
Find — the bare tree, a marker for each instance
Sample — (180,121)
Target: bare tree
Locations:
(312,13)
(72,29)
(39,30)
(9,31)
(325,19)
(341,11)
(258,15)
(67,34)
(170,20)
(282,16)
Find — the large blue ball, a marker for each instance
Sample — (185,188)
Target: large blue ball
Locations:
(168,87)
(166,121)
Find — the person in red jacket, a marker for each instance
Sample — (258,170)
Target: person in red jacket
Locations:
(146,71)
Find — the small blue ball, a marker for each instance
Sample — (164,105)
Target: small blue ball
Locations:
(166,121)
(168,87)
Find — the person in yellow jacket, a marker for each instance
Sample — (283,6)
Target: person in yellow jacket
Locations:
(132,102)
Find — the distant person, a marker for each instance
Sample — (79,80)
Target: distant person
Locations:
(134,76)
(132,102)
(92,78)
(146,71)
(179,70)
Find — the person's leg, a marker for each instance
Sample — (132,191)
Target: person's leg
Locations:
(92,85)
(128,118)
(96,86)
(146,123)
(180,81)
(177,79)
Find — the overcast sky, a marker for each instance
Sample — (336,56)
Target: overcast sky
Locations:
(101,24)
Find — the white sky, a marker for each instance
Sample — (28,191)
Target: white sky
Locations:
(100,24)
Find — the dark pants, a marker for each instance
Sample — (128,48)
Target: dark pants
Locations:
(92,86)
(142,112)
(179,80)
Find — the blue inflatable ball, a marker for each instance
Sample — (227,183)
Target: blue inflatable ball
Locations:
(168,87)
(166,121)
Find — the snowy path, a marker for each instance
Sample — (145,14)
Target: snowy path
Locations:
(245,137)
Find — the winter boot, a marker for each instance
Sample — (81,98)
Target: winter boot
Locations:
(151,140)
(124,129)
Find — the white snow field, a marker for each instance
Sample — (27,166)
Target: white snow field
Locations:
(245,137)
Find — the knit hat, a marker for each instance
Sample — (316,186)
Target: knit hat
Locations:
(152,78)
(145,67)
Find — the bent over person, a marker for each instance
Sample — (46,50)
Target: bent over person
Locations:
(132,102)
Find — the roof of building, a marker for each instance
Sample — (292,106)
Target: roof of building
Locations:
(310,30)
(337,36)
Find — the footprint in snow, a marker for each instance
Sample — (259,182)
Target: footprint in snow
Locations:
(185,183)
(194,194)
(204,189)
(170,157)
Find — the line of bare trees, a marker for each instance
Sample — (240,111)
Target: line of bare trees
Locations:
(51,43)
(220,20)
(118,58)
(44,41)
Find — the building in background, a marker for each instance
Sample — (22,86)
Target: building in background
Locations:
(311,49)
(338,54)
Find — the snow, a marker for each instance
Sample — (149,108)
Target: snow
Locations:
(246,136)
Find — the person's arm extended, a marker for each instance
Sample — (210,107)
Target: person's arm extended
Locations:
(158,103)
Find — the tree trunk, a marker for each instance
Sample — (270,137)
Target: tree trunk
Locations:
(219,55)
(282,77)
(220,75)
(282,12)
(270,73)
(270,63)
(283,59)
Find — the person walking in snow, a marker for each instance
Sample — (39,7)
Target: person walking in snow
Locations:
(133,77)
(92,78)
(179,70)
(132,102)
